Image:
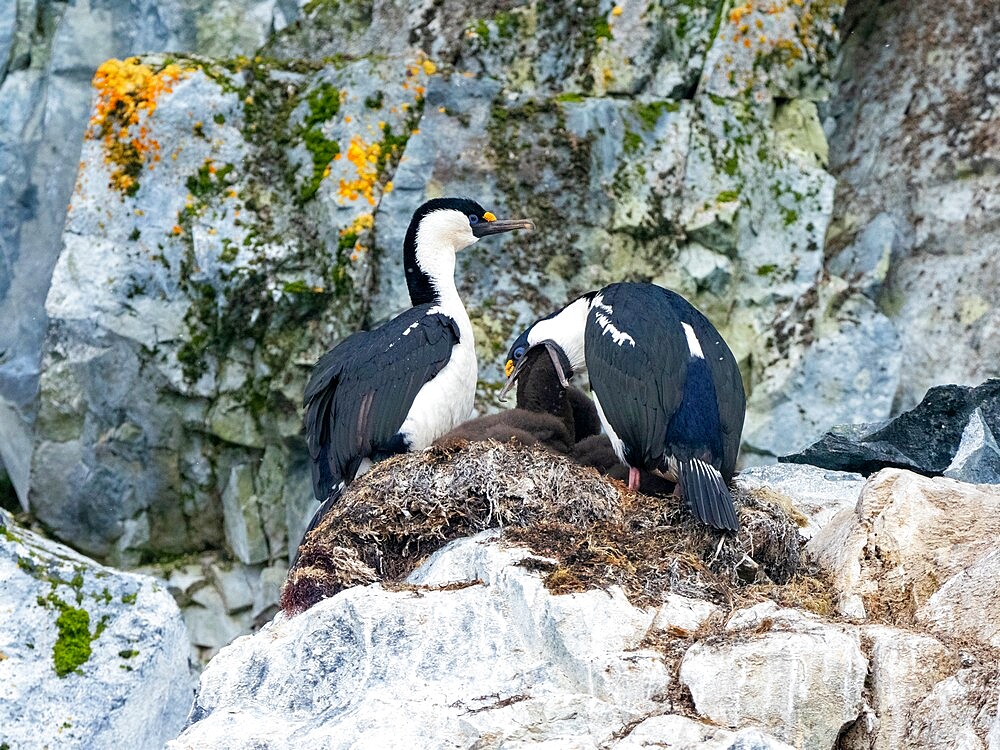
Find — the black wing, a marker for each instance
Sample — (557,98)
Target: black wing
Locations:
(729,393)
(360,391)
(632,330)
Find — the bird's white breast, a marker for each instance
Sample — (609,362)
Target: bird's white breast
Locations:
(446,400)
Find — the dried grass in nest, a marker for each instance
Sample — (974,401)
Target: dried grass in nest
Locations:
(599,533)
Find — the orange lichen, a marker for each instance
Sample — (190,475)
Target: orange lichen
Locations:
(127,92)
(364,157)
(737,13)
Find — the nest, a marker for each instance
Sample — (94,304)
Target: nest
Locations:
(596,530)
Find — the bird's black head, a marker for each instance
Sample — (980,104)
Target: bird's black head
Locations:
(524,356)
(517,350)
(439,229)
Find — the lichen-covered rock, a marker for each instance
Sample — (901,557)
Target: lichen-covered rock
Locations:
(916,549)
(185,311)
(798,677)
(47,53)
(89,656)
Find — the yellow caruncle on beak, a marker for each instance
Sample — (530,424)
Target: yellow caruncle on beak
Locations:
(489,216)
(508,368)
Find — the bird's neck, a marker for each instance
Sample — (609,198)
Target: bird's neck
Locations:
(430,273)
(566,328)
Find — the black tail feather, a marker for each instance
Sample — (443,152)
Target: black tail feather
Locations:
(707,495)
(323,509)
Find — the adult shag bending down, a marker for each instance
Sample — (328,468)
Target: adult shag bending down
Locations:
(666,386)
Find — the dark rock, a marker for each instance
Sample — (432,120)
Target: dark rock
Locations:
(925,439)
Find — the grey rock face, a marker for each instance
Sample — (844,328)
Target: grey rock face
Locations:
(92,657)
(912,130)
(48,53)
(200,279)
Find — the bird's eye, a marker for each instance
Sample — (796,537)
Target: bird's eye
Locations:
(519,352)
(473,219)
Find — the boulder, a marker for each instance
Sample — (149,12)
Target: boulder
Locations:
(903,669)
(674,732)
(798,677)
(977,459)
(962,711)
(916,549)
(89,656)
(950,431)
(472,647)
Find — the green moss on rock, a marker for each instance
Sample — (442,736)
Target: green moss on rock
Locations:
(72,647)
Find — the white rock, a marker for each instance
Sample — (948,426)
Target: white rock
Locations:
(818,493)
(961,713)
(500,659)
(904,667)
(906,537)
(968,604)
(674,732)
(132,691)
(680,615)
(793,674)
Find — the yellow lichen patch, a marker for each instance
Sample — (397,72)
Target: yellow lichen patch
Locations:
(350,237)
(364,157)
(127,92)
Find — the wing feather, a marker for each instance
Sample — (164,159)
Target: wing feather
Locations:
(360,391)
(638,393)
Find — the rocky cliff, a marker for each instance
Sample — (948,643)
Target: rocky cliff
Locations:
(202,225)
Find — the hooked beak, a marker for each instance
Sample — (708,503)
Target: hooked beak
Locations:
(513,371)
(485,228)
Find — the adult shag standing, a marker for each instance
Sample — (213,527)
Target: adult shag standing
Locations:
(400,386)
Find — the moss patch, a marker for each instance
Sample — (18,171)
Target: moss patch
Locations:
(72,648)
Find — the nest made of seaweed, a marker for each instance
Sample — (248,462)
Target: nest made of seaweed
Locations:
(598,532)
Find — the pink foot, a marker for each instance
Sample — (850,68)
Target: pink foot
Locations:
(633,478)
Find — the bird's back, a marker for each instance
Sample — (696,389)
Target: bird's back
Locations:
(360,392)
(667,381)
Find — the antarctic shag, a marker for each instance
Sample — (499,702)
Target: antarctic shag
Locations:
(400,386)
(667,387)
